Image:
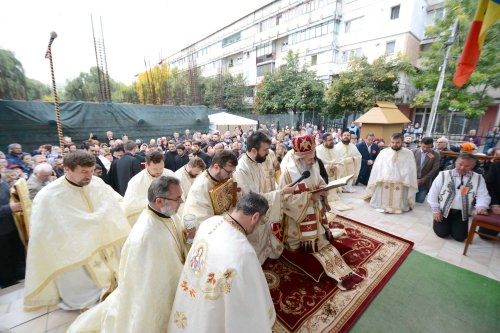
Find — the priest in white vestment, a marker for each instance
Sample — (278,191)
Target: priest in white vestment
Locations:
(251,176)
(393,180)
(222,287)
(136,196)
(198,200)
(187,175)
(77,226)
(305,225)
(150,267)
(272,171)
(350,160)
(326,152)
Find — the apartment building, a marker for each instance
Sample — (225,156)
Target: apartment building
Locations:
(325,33)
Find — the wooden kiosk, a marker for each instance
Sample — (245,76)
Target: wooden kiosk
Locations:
(383,120)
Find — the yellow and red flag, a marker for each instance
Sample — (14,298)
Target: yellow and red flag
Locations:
(487,13)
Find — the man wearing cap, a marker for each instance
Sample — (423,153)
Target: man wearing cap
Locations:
(306,234)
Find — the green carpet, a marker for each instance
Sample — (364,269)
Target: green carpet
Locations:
(430,295)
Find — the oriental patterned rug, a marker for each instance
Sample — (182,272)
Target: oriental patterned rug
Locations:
(303,305)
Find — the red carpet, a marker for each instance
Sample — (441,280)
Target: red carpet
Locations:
(303,305)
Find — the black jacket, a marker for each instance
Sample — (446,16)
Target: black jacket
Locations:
(170,160)
(6,220)
(204,157)
(181,161)
(122,170)
(366,155)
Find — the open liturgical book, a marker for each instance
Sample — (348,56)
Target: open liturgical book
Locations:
(334,184)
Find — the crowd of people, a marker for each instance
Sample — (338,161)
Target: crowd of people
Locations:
(108,227)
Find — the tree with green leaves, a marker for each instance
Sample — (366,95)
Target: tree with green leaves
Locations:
(36,90)
(12,77)
(234,91)
(473,98)
(85,87)
(357,89)
(290,88)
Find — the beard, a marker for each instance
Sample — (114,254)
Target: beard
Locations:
(396,148)
(328,146)
(168,211)
(303,166)
(260,159)
(191,175)
(346,142)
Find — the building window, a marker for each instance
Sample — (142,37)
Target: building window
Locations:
(390,46)
(353,25)
(314,60)
(284,46)
(425,47)
(261,70)
(351,54)
(335,56)
(278,18)
(348,26)
(434,15)
(395,12)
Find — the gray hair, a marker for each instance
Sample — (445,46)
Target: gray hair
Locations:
(468,156)
(42,167)
(444,139)
(252,203)
(160,187)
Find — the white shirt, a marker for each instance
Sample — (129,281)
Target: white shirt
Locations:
(482,199)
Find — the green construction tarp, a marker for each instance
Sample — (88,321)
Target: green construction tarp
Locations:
(34,123)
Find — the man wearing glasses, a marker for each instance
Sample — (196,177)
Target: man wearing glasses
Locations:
(151,264)
(198,201)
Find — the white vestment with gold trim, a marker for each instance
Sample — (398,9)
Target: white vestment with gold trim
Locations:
(73,227)
(222,286)
(136,196)
(252,177)
(186,181)
(393,181)
(305,226)
(330,157)
(198,201)
(151,264)
(350,159)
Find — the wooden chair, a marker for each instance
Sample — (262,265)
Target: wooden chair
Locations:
(491,221)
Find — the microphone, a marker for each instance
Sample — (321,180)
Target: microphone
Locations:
(306,174)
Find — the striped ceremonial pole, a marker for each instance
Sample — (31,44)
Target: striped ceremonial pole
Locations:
(48,55)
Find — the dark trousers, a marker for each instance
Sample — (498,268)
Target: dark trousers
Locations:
(12,259)
(452,225)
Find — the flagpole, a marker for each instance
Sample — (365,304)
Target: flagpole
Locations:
(439,87)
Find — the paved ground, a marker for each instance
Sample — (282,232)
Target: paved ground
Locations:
(483,257)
